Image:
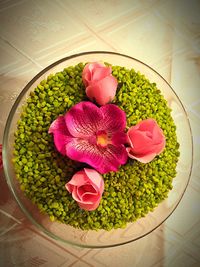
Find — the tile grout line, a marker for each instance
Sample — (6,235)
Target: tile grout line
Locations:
(7,230)
(56,244)
(10,216)
(66,250)
(21,52)
(80,260)
(11,5)
(86,25)
(177,30)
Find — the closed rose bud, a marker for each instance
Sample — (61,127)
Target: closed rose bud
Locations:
(100,85)
(146,140)
(86,187)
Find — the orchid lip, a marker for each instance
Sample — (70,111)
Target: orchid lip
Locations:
(102,139)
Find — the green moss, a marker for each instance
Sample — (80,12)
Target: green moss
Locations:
(42,172)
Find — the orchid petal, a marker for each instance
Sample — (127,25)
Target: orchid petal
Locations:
(119,138)
(59,125)
(61,134)
(102,159)
(61,141)
(81,150)
(83,119)
(114,156)
(114,119)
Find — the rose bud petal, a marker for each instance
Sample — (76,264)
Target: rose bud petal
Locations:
(100,85)
(146,140)
(86,187)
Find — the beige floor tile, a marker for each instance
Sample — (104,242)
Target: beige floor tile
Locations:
(37,27)
(147,39)
(188,20)
(79,263)
(183,259)
(6,223)
(74,250)
(195,181)
(195,108)
(163,67)
(182,15)
(91,43)
(166,11)
(188,243)
(131,254)
(9,3)
(194,117)
(187,214)
(185,76)
(10,58)
(9,209)
(21,247)
(196,240)
(196,44)
(98,13)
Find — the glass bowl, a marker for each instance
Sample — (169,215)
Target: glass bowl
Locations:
(133,231)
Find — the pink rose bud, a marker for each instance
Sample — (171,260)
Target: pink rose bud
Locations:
(100,85)
(86,187)
(146,140)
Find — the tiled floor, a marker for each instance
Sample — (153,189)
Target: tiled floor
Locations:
(163,34)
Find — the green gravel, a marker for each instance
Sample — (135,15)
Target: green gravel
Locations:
(42,172)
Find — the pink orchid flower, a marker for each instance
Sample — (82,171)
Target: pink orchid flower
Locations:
(86,187)
(92,135)
(146,140)
(100,85)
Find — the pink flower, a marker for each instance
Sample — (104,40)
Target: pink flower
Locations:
(146,140)
(1,160)
(100,84)
(93,135)
(87,188)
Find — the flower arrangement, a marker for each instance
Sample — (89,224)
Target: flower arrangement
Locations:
(96,146)
(96,136)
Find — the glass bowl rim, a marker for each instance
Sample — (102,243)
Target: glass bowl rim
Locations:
(7,129)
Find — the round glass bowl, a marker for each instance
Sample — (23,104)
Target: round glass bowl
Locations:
(133,231)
